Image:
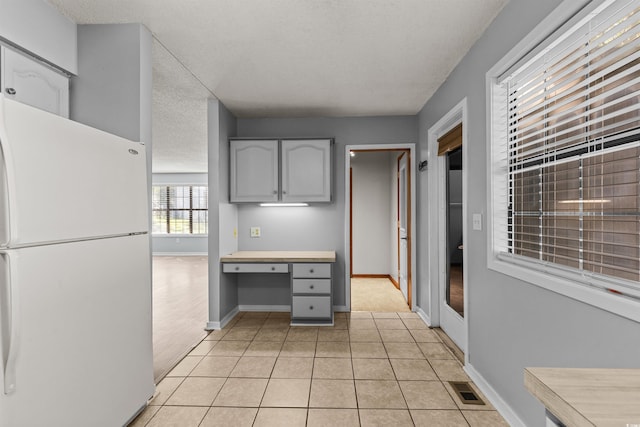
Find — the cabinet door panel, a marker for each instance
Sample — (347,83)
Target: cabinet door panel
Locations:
(27,81)
(306,170)
(254,171)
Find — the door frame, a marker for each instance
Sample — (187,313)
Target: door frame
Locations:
(411,148)
(437,211)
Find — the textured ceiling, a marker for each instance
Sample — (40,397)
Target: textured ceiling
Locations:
(293,58)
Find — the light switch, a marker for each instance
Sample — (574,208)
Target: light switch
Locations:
(255,231)
(477,221)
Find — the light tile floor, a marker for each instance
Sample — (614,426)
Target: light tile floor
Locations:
(370,369)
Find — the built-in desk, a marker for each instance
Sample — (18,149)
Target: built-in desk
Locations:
(587,397)
(310,278)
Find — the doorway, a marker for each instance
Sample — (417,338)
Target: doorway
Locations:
(447,230)
(379,229)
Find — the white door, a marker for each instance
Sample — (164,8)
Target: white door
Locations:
(75,333)
(451,249)
(403,232)
(30,82)
(90,182)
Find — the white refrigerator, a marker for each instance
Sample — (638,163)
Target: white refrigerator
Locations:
(75,273)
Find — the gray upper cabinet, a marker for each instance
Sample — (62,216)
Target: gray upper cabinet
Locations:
(280,170)
(306,170)
(254,171)
(25,80)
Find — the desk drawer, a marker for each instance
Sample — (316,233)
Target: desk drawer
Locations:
(312,286)
(312,270)
(311,307)
(254,268)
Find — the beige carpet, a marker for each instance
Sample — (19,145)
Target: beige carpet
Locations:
(376,295)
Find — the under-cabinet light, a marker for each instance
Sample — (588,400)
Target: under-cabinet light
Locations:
(283,204)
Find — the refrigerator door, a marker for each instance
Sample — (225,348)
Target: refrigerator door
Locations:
(76,336)
(61,180)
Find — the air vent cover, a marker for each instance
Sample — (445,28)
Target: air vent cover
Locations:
(466,394)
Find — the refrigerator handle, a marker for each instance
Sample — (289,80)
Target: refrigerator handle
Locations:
(9,323)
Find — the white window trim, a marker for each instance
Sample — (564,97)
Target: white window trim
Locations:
(569,284)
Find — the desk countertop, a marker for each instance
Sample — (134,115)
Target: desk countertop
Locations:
(588,397)
(280,256)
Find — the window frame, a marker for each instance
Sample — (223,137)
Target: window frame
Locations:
(169,234)
(563,281)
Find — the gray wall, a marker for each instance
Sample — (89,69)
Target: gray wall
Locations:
(319,226)
(184,244)
(38,28)
(513,324)
(112,91)
(373,210)
(223,293)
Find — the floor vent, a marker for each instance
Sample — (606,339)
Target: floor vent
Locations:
(466,393)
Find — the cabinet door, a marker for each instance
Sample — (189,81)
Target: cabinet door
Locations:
(306,170)
(30,82)
(254,171)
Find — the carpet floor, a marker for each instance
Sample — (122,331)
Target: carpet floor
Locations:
(377,295)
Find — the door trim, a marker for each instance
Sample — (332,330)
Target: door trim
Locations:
(457,115)
(411,148)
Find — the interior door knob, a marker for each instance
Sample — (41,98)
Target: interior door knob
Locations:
(10,91)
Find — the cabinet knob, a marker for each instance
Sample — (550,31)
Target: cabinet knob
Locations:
(10,91)
(310,307)
(284,192)
(275,191)
(237,268)
(311,271)
(273,268)
(310,286)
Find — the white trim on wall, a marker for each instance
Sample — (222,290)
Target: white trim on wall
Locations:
(435,250)
(225,320)
(494,397)
(347,193)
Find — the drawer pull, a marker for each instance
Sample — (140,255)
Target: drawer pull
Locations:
(310,307)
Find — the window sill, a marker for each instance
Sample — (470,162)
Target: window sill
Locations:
(626,307)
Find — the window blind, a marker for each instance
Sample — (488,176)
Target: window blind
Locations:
(572,158)
(180,209)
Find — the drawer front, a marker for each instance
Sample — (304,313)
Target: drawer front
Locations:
(311,307)
(312,270)
(312,286)
(254,268)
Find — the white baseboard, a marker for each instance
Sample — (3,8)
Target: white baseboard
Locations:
(221,324)
(180,254)
(424,316)
(341,308)
(264,308)
(496,400)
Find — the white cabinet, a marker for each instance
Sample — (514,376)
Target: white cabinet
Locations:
(254,171)
(288,170)
(306,170)
(311,294)
(26,80)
